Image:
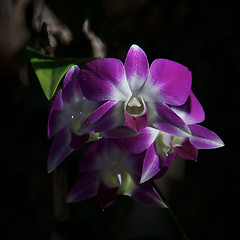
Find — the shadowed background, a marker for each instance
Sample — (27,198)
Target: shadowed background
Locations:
(202,35)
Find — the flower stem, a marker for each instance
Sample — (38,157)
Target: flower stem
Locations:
(61,212)
(170,211)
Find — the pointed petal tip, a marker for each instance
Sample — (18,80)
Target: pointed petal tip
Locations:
(51,166)
(69,199)
(222,144)
(203,138)
(143,179)
(50,170)
(219,144)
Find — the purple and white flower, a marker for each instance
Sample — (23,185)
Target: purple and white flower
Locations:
(69,109)
(110,171)
(167,145)
(135,95)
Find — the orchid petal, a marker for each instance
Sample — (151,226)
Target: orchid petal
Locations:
(145,193)
(165,166)
(106,117)
(168,82)
(150,164)
(203,138)
(138,143)
(136,67)
(104,79)
(91,160)
(78,140)
(191,111)
(55,121)
(106,193)
(133,164)
(186,150)
(84,188)
(168,121)
(100,155)
(136,123)
(87,125)
(60,149)
(71,86)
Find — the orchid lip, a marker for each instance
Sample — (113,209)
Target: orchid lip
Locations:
(135,107)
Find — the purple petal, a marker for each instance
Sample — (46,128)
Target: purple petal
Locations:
(85,187)
(136,67)
(106,194)
(168,121)
(101,155)
(191,111)
(60,149)
(171,80)
(106,117)
(78,140)
(203,138)
(71,86)
(105,154)
(165,166)
(146,194)
(133,164)
(104,79)
(55,122)
(138,143)
(91,160)
(136,123)
(150,164)
(186,150)
(87,125)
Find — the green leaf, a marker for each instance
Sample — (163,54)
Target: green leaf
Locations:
(51,70)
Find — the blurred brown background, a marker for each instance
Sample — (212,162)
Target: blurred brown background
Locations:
(202,35)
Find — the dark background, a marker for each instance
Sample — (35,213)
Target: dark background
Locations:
(202,35)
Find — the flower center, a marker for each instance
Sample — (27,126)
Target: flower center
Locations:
(135,107)
(76,120)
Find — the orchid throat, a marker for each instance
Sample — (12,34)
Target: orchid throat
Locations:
(135,106)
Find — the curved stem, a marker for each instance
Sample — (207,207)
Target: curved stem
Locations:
(170,211)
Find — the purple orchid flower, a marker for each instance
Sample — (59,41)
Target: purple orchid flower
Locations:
(166,145)
(160,144)
(69,109)
(111,171)
(135,95)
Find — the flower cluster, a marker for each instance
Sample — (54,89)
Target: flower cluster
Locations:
(137,117)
